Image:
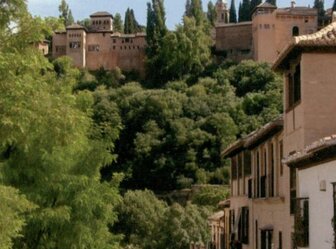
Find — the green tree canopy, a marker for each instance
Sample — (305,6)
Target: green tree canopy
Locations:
(65,13)
(118,25)
(211,14)
(233,12)
(52,152)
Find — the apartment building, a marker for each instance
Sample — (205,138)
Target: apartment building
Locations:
(99,46)
(283,176)
(259,201)
(307,65)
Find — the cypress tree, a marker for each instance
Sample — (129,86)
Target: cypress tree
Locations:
(240,14)
(319,5)
(65,13)
(233,13)
(254,3)
(188,9)
(334,6)
(118,25)
(126,24)
(156,26)
(197,11)
(131,25)
(273,2)
(245,11)
(211,14)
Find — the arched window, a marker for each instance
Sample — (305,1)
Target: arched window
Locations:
(295,31)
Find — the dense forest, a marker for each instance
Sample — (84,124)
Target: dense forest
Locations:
(85,155)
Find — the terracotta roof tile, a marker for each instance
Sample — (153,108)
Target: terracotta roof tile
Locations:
(310,149)
(101,13)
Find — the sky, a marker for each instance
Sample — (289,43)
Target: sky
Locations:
(174,8)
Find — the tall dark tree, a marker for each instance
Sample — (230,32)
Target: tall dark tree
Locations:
(118,25)
(211,14)
(245,11)
(65,13)
(240,14)
(155,32)
(334,6)
(273,2)
(197,11)
(319,5)
(131,25)
(233,12)
(188,8)
(254,3)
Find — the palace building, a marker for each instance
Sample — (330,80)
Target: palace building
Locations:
(270,30)
(99,46)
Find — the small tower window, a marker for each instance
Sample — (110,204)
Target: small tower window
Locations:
(295,31)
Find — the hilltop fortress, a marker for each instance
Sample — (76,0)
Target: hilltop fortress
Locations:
(99,46)
(261,39)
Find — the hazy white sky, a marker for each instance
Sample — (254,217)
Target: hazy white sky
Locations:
(83,8)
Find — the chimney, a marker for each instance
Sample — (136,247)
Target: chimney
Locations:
(293,4)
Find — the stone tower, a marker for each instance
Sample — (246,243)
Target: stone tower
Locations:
(222,12)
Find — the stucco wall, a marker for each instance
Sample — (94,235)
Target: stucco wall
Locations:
(318,95)
(320,203)
(235,40)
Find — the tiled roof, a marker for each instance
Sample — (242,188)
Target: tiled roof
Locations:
(75,26)
(324,38)
(311,151)
(300,10)
(101,13)
(254,138)
(117,34)
(218,25)
(217,216)
(266,5)
(264,132)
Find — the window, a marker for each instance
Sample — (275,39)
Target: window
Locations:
(301,225)
(334,217)
(257,187)
(114,40)
(243,227)
(266,239)
(94,48)
(256,234)
(60,49)
(234,168)
(294,87)
(295,31)
(232,221)
(280,240)
(271,173)
(247,163)
(280,157)
(74,45)
(292,190)
(240,165)
(127,40)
